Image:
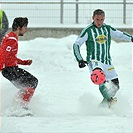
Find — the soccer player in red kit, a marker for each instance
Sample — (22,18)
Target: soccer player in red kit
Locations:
(9,62)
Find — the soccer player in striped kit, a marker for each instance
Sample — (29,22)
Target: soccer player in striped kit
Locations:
(97,37)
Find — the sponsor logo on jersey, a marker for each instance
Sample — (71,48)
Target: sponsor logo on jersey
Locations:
(101,39)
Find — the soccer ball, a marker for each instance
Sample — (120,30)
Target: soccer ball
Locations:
(98,76)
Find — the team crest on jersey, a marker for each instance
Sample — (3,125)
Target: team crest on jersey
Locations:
(101,39)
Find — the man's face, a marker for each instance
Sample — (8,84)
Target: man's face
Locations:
(98,20)
(22,30)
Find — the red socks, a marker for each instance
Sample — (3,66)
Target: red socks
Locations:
(28,93)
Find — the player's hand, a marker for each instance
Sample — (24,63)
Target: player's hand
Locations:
(82,63)
(29,62)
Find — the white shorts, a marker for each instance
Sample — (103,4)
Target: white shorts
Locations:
(109,70)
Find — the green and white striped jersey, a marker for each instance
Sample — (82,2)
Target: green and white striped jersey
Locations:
(98,41)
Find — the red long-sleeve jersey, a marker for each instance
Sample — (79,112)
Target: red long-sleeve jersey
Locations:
(8,51)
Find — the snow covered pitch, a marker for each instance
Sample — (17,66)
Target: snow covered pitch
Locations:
(65,99)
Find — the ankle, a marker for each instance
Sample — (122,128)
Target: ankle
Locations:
(28,93)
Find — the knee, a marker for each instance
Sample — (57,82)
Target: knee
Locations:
(116,83)
(35,82)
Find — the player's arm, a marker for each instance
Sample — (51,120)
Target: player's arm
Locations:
(78,43)
(76,49)
(24,62)
(9,49)
(8,52)
(120,35)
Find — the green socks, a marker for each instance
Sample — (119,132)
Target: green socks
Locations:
(104,91)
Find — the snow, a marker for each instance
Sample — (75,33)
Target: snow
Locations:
(65,99)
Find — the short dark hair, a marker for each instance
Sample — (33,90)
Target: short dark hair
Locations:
(19,22)
(98,12)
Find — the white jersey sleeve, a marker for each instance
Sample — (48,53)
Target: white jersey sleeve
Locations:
(120,35)
(81,39)
(76,47)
